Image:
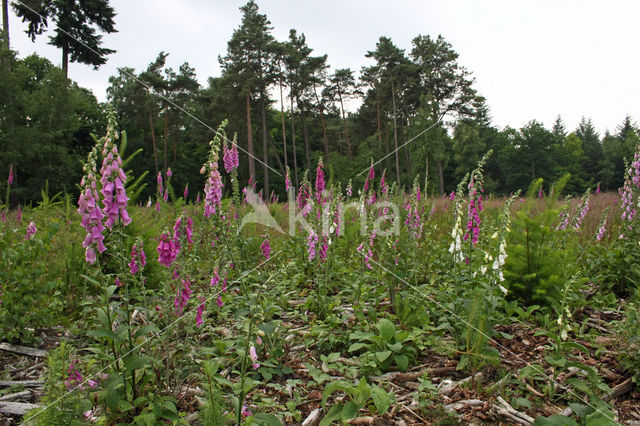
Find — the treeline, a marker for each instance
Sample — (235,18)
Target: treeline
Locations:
(288,109)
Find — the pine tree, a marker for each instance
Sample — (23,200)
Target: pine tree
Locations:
(77,23)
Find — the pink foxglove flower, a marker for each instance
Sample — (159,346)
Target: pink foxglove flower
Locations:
(10,179)
(312,240)
(266,249)
(320,183)
(287,181)
(19,214)
(230,157)
(186,191)
(167,250)
(113,178)
(89,209)
(370,177)
(31,230)
(183,296)
(254,357)
(74,380)
(213,186)
(199,313)
(138,258)
(169,173)
(349,190)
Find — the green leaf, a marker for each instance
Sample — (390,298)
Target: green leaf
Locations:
(267,419)
(383,355)
(332,387)
(381,399)
(401,361)
(103,333)
(555,420)
(335,413)
(386,329)
(349,411)
(146,329)
(357,346)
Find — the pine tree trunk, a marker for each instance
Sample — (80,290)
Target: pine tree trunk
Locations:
(5,22)
(153,141)
(265,148)
(293,142)
(252,164)
(65,60)
(305,134)
(324,125)
(440,177)
(284,131)
(407,156)
(346,128)
(395,131)
(166,135)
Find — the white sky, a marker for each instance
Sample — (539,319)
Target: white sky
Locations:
(532,59)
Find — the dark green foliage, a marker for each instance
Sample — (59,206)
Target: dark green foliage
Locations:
(75,31)
(536,259)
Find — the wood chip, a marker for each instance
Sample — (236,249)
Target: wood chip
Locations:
(313,418)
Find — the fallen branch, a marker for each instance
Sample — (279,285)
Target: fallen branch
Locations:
(413,376)
(448,388)
(514,414)
(13,396)
(620,389)
(16,408)
(23,350)
(461,404)
(25,383)
(366,420)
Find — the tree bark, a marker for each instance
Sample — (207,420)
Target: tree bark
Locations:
(346,128)
(252,164)
(265,148)
(395,131)
(284,132)
(305,134)
(5,22)
(153,141)
(324,125)
(65,60)
(166,135)
(293,142)
(440,178)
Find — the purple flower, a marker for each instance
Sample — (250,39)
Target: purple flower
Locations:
(138,258)
(183,296)
(169,173)
(31,230)
(246,412)
(370,177)
(266,249)
(199,321)
(320,183)
(312,240)
(186,191)
(254,357)
(287,181)
(113,179)
(167,250)
(74,380)
(10,179)
(230,157)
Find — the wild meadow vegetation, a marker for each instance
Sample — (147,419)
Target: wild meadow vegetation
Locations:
(405,262)
(366,305)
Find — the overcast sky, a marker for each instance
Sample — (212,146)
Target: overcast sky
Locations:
(532,59)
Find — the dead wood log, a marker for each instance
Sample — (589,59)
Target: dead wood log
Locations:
(16,408)
(23,350)
(313,418)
